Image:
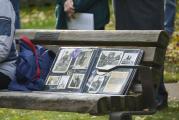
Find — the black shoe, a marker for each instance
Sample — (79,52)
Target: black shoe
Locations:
(162,102)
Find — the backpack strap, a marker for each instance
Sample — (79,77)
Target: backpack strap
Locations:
(28,42)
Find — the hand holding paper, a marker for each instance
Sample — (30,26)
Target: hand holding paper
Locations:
(69,8)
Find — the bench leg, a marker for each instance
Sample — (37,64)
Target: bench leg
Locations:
(120,116)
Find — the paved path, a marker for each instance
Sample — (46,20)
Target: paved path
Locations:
(173,90)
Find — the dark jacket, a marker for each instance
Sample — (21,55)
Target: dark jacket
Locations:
(99,8)
(139,14)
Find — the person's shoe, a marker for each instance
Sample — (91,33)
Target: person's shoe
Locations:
(162,102)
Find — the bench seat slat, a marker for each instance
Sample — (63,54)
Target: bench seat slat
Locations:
(67,102)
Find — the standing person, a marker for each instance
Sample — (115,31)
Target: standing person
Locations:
(67,8)
(143,15)
(16,6)
(7,43)
(170,12)
(169,19)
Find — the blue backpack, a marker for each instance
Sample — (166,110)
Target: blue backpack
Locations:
(33,65)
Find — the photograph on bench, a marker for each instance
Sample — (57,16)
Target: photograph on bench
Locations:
(70,69)
(76,69)
(116,81)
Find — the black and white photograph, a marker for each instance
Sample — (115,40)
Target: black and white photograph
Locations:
(53,80)
(129,58)
(76,81)
(96,84)
(63,82)
(63,61)
(83,59)
(109,59)
(116,82)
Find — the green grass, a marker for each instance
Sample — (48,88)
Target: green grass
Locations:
(12,114)
(38,18)
(171,77)
(171,113)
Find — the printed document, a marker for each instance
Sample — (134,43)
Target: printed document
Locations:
(82,21)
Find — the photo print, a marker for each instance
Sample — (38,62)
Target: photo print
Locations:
(53,80)
(129,58)
(63,82)
(116,82)
(83,59)
(63,61)
(96,84)
(109,59)
(76,81)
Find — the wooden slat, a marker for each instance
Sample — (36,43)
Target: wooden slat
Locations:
(152,55)
(106,38)
(67,102)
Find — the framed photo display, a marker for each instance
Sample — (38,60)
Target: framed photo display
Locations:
(131,57)
(117,81)
(109,59)
(70,69)
(76,69)
(63,61)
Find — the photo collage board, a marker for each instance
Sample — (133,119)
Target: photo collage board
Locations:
(117,81)
(78,69)
(70,69)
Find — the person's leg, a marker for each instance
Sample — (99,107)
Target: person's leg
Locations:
(162,96)
(4,81)
(170,12)
(15,4)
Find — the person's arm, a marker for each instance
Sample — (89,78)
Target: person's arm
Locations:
(69,8)
(7,20)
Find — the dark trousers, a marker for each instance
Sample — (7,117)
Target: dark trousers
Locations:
(4,81)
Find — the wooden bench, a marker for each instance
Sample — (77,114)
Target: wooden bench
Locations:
(121,107)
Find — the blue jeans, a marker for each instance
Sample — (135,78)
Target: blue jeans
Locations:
(15,4)
(170,11)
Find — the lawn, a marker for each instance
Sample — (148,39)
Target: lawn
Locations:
(38,17)
(171,113)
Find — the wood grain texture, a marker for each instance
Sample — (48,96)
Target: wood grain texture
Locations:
(67,102)
(106,38)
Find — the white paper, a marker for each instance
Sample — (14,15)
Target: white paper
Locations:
(82,21)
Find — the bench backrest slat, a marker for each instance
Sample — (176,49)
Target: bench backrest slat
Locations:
(97,38)
(153,42)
